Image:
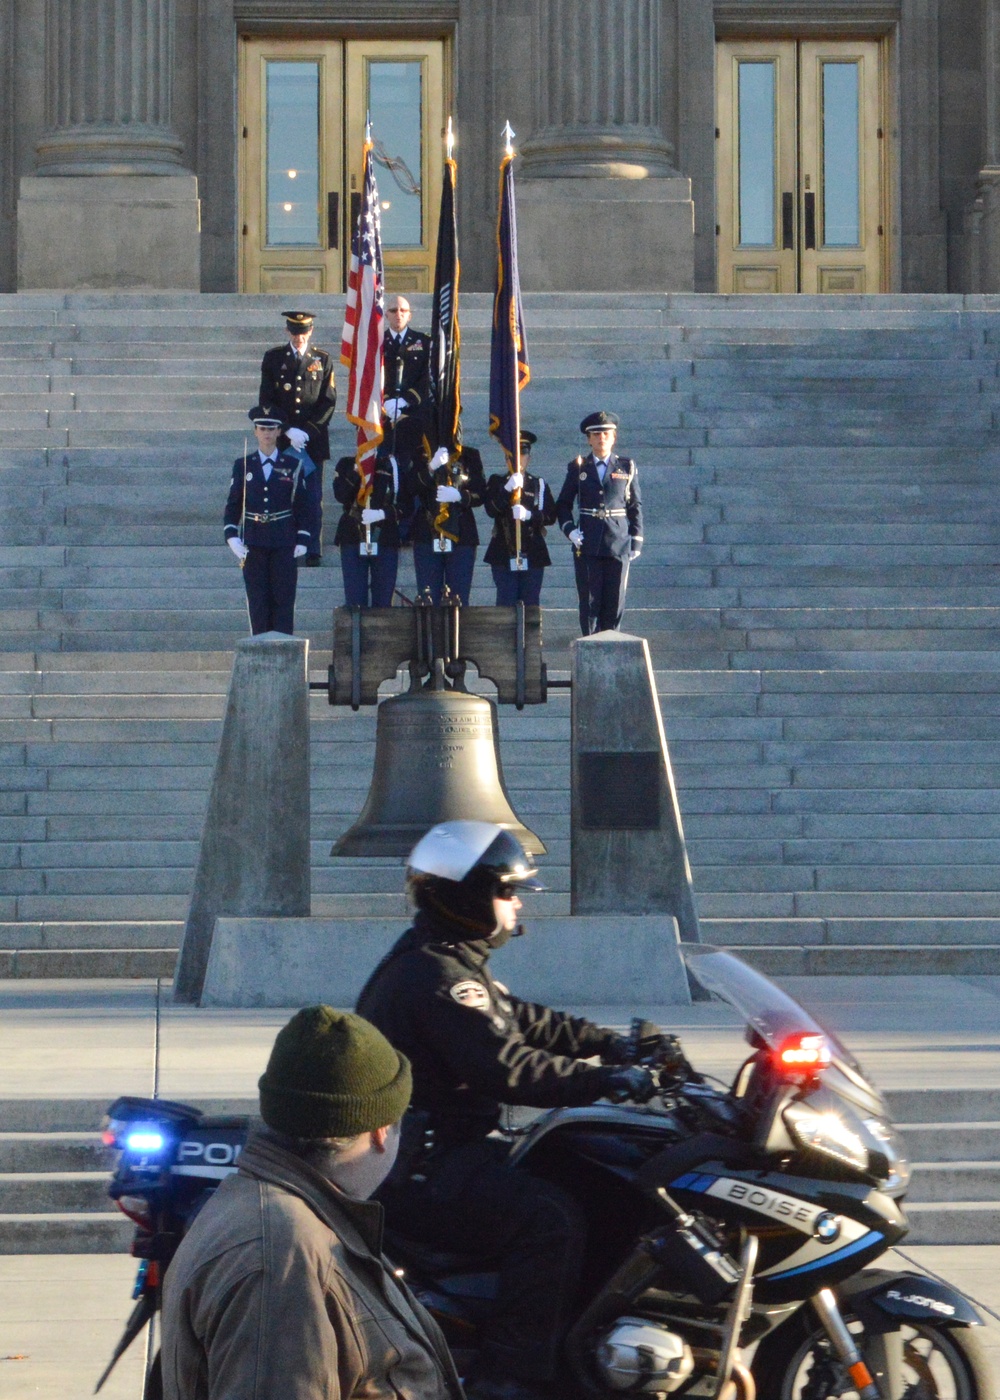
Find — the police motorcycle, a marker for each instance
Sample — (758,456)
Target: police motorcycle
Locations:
(721,1223)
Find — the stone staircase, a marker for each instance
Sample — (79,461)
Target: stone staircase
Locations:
(818,587)
(54,1171)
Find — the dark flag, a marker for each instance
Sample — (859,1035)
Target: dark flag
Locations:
(446,339)
(509,371)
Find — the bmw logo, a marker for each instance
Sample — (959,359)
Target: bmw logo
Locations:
(827,1227)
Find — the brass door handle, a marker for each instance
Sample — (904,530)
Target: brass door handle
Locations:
(333,219)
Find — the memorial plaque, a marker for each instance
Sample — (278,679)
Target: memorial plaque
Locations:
(619,791)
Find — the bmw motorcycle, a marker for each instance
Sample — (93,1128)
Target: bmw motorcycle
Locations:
(731,1232)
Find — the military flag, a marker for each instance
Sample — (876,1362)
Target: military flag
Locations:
(361,341)
(446,338)
(509,372)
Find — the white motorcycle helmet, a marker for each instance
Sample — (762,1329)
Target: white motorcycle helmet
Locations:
(460,867)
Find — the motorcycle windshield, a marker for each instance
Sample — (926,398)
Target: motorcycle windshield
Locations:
(772,1013)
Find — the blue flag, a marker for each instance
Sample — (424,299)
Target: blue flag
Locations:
(509,371)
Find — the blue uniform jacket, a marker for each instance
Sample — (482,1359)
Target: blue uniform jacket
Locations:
(610,515)
(385,494)
(283,496)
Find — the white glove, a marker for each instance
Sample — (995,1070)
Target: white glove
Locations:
(633,554)
(440,458)
(392,408)
(575,538)
(299,552)
(514,482)
(520,512)
(238,547)
(448,493)
(297,438)
(371,517)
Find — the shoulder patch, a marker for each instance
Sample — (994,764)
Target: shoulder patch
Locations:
(471,994)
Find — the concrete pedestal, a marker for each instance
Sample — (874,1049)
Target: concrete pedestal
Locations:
(107,232)
(564,962)
(254,857)
(627,852)
(596,235)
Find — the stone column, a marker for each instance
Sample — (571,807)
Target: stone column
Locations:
(598,134)
(989,176)
(108,89)
(598,92)
(134,221)
(923,237)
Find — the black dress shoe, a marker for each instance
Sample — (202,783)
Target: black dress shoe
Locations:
(313,561)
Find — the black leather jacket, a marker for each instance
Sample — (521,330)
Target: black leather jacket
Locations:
(473,1045)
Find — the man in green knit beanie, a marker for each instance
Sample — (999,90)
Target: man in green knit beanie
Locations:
(280,1289)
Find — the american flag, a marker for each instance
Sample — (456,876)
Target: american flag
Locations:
(361,341)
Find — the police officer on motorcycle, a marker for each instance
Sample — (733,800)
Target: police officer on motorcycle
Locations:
(474,1047)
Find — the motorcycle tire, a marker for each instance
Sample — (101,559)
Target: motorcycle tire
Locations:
(939,1363)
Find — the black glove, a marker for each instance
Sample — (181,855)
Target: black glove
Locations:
(630,1082)
(668,1057)
(626,1049)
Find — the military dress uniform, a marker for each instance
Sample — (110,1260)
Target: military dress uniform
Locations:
(406,375)
(369,579)
(277,513)
(304,391)
(518,585)
(609,506)
(434,569)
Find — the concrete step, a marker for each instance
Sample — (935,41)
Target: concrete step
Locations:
(961,1222)
(53,1152)
(62,1191)
(65,1233)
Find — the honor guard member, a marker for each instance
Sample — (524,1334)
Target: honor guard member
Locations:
(297,381)
(607,537)
(368,536)
(475,1046)
(519,580)
(444,530)
(406,382)
(269,521)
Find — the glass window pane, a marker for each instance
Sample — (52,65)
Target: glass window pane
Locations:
(395,101)
(756,135)
(292,154)
(841,169)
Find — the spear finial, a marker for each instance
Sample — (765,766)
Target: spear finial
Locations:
(449,139)
(508,135)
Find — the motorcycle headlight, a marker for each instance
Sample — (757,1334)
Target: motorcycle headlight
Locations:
(893,1168)
(826,1133)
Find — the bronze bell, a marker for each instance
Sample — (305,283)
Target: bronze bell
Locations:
(437,758)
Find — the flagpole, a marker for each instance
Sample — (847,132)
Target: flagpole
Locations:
(515,498)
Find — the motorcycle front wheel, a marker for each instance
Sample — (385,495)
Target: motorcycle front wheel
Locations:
(797,1362)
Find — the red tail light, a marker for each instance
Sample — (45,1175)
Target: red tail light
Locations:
(800,1055)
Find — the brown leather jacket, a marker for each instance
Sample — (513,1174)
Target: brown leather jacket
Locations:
(279,1291)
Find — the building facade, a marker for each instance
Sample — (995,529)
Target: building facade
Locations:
(734,145)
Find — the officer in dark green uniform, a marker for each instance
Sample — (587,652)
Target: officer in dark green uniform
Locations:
(297,381)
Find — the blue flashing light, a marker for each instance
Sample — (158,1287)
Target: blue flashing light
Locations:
(145,1140)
